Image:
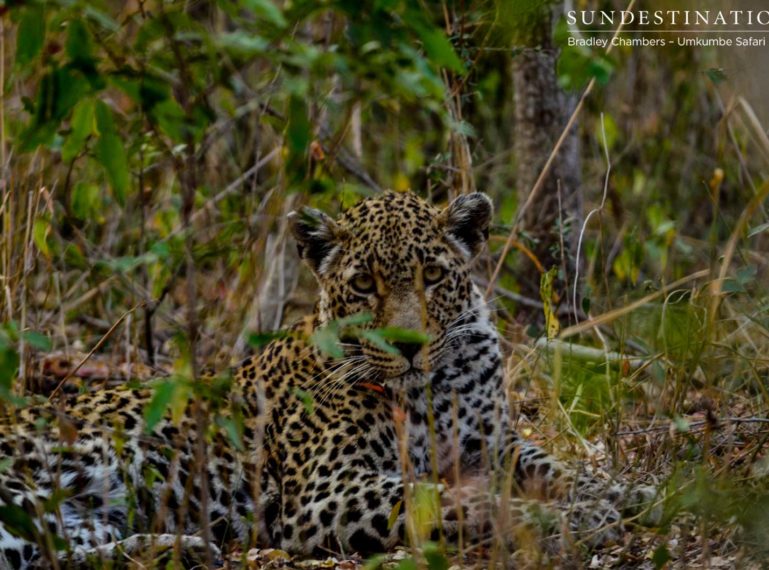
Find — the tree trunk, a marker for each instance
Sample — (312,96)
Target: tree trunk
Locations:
(542,110)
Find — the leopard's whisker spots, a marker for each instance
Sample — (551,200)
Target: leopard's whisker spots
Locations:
(334,367)
(329,388)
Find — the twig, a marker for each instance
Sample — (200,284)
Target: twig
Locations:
(589,352)
(96,347)
(697,424)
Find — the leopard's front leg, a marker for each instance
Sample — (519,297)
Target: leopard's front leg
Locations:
(536,473)
(366,512)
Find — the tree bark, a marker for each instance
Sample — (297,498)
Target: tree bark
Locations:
(542,110)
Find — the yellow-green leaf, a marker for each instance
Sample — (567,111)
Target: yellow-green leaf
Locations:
(552,326)
(40,231)
(426,509)
(156,409)
(393,518)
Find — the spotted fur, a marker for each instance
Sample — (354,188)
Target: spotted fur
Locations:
(333,449)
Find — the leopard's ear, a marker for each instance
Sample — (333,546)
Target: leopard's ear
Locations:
(317,236)
(467,221)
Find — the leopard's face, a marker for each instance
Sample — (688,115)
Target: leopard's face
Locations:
(403,263)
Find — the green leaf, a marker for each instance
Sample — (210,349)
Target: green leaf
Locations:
(57,93)
(79,48)
(111,155)
(101,18)
(306,398)
(258,340)
(375,338)
(426,508)
(30,35)
(397,334)
(577,65)
(9,366)
(746,275)
(55,499)
(661,556)
(758,230)
(234,432)
(129,263)
(18,522)
(83,125)
(327,341)
(104,120)
(375,562)
(732,286)
(170,117)
(267,10)
(59,543)
(161,249)
(681,425)
(436,560)
(601,68)
(146,91)
(298,130)
(552,326)
(37,340)
(355,320)
(161,400)
(717,75)
(438,47)
(40,231)
(242,43)
(85,201)
(395,512)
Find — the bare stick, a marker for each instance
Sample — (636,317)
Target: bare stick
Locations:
(696,424)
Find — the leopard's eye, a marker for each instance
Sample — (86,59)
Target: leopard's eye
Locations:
(433,273)
(363,283)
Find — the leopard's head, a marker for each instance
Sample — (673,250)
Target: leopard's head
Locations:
(403,262)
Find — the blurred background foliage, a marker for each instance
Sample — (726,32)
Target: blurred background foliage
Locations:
(150,151)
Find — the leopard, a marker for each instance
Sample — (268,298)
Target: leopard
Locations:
(329,437)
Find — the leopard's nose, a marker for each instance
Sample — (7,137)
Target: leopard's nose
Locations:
(408,349)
